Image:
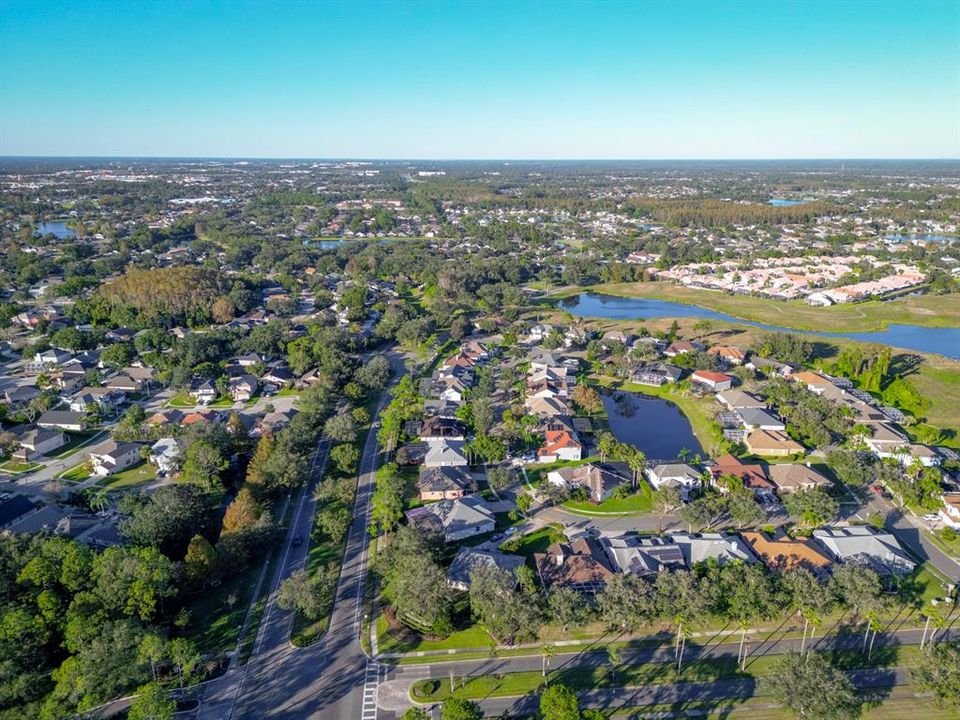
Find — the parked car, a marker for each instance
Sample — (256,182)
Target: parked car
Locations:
(297,540)
(931,517)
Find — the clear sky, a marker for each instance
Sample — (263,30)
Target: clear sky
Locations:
(481,79)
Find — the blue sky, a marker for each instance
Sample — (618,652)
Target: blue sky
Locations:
(481,80)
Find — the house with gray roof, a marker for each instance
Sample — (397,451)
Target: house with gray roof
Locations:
(635,555)
(862,545)
(456,519)
(757,419)
(469,559)
(443,453)
(682,476)
(719,547)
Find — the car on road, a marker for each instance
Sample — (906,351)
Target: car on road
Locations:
(931,517)
(297,540)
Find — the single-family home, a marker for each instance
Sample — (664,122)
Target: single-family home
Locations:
(444,483)
(204,393)
(165,454)
(455,519)
(950,512)
(580,565)
(792,477)
(600,480)
(280,376)
(643,556)
(862,545)
(772,443)
(681,347)
(243,388)
(39,441)
(758,419)
(123,383)
(752,476)
(62,420)
(103,398)
(468,559)
(443,428)
(251,359)
(729,355)
(720,548)
(114,457)
(736,400)
(19,397)
(444,453)
(657,374)
(560,445)
(715,381)
(781,552)
(546,407)
(682,476)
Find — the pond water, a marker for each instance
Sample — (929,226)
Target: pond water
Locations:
(921,237)
(945,341)
(656,426)
(785,202)
(58,228)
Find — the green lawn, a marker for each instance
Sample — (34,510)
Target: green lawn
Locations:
(78,473)
(13,466)
(216,613)
(536,542)
(76,441)
(182,400)
(138,474)
(287,392)
(639,502)
(472,637)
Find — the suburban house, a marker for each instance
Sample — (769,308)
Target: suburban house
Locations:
(165,454)
(251,359)
(469,559)
(580,565)
(444,483)
(681,347)
(782,552)
(643,556)
(753,476)
(560,445)
(885,440)
(772,443)
(455,519)
(793,477)
(114,457)
(716,381)
(601,480)
(759,419)
(104,398)
(814,382)
(243,388)
(280,376)
(124,384)
(729,355)
(736,400)
(716,547)
(39,441)
(442,428)
(167,416)
(547,407)
(62,420)
(862,545)
(657,374)
(950,512)
(20,396)
(682,476)
(204,393)
(443,453)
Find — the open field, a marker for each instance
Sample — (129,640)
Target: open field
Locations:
(142,473)
(926,310)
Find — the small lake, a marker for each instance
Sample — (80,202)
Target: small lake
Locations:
(654,425)
(945,341)
(784,202)
(58,228)
(921,237)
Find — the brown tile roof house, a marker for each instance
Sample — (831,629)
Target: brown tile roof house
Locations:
(732,355)
(790,478)
(580,565)
(753,476)
(782,552)
(772,443)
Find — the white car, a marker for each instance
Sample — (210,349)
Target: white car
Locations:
(930,517)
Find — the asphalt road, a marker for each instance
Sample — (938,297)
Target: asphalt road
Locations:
(333,678)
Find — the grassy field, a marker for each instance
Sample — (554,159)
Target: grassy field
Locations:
(138,474)
(78,473)
(536,542)
(639,502)
(926,310)
(216,613)
(14,467)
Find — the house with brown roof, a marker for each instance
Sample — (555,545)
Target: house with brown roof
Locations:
(792,477)
(444,483)
(772,443)
(580,565)
(442,428)
(753,476)
(781,552)
(729,355)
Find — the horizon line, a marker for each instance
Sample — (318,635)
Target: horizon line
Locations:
(477,160)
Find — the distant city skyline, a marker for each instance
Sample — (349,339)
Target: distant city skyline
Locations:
(481,81)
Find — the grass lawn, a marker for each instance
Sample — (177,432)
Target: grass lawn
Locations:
(182,400)
(13,466)
(951,547)
(536,542)
(926,310)
(75,442)
(142,473)
(472,637)
(216,613)
(287,392)
(588,678)
(78,473)
(639,502)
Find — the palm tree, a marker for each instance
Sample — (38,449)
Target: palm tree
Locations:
(636,460)
(547,651)
(613,657)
